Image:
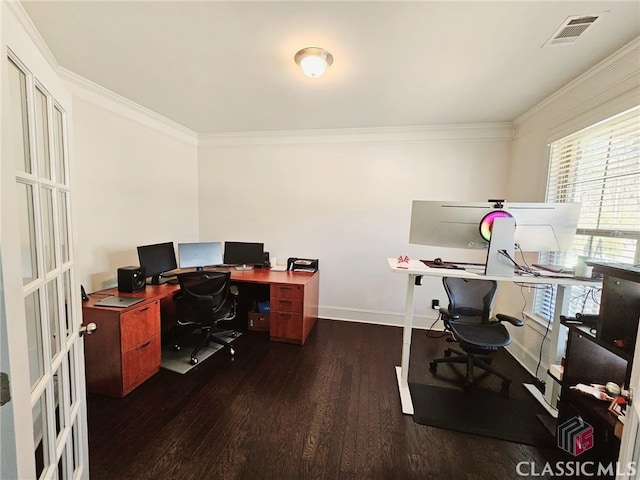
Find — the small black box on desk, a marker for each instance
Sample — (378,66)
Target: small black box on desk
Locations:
(302,264)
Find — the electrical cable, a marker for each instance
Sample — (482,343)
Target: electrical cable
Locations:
(528,270)
(430,329)
(546,332)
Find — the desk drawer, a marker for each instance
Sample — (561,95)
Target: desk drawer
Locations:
(286,326)
(140,324)
(140,363)
(291,292)
(286,305)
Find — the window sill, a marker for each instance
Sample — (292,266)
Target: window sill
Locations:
(538,323)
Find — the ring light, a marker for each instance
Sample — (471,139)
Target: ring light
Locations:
(486,223)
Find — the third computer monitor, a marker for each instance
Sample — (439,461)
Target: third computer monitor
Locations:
(243,254)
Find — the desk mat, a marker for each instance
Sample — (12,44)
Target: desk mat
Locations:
(453,265)
(481,412)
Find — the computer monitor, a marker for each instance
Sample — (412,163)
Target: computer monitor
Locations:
(156,260)
(243,254)
(496,226)
(540,227)
(199,254)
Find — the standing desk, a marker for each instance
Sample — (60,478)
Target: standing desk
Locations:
(125,349)
(415,269)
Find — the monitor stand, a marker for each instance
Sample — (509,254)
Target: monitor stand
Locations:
(244,267)
(502,233)
(157,280)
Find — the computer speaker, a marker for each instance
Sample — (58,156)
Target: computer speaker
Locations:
(131,279)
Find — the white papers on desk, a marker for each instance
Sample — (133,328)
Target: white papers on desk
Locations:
(279,268)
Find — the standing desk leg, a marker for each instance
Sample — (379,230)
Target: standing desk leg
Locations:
(402,372)
(555,352)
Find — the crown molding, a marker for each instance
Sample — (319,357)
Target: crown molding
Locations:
(96,95)
(628,53)
(424,134)
(27,24)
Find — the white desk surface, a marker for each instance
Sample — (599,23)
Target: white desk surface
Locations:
(416,267)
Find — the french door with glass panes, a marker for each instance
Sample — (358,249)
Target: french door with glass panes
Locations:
(44,426)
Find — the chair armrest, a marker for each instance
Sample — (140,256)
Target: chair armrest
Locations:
(448,314)
(508,318)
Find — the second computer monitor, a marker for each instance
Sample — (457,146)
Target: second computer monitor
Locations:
(243,254)
(199,254)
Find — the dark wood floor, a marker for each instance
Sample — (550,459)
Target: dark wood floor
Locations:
(327,410)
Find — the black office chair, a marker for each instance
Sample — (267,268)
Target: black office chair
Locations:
(206,300)
(468,320)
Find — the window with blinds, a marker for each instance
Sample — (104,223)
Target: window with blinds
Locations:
(600,168)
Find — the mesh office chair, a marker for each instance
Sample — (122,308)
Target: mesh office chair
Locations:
(206,300)
(468,319)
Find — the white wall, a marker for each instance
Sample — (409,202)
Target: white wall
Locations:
(611,87)
(344,197)
(136,182)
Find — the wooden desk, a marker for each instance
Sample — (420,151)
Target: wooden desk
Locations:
(415,269)
(125,350)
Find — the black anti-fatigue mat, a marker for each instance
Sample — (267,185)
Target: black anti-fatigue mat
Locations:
(481,412)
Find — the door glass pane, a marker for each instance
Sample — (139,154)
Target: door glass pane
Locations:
(72,376)
(47,229)
(54,317)
(64,226)
(61,465)
(59,146)
(60,379)
(74,447)
(34,336)
(66,298)
(18,118)
(42,135)
(26,219)
(39,435)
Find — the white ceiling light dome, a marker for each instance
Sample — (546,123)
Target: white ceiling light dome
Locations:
(313,61)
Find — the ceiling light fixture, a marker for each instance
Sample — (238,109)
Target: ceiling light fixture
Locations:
(313,61)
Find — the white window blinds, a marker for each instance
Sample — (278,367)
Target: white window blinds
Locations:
(600,168)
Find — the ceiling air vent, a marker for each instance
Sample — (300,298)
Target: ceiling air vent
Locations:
(571,29)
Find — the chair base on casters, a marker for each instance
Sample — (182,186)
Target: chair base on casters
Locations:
(210,337)
(471,360)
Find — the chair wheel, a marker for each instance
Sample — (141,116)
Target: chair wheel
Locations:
(505,385)
(232,351)
(177,348)
(193,361)
(433,366)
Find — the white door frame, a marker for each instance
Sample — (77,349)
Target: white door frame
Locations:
(630,443)
(18,35)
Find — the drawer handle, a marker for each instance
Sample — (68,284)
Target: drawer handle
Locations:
(146,344)
(143,310)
